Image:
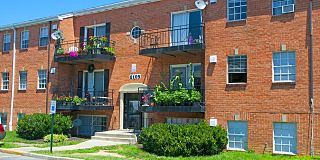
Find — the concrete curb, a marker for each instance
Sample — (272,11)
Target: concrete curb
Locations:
(34,155)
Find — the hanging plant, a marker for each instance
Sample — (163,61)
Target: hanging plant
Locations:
(90,68)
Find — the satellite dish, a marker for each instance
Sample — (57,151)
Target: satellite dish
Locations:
(57,35)
(201,4)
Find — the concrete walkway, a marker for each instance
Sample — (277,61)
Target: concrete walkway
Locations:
(83,145)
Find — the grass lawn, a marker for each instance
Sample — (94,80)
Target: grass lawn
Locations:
(133,152)
(13,141)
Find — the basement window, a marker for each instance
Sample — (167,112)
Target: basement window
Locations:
(285,138)
(237,69)
(238,135)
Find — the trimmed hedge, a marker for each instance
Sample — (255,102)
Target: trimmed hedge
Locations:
(183,140)
(36,126)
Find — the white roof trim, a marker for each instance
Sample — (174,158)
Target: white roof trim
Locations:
(98,9)
(123,4)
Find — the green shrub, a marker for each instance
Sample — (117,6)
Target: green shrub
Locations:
(36,126)
(183,140)
(56,138)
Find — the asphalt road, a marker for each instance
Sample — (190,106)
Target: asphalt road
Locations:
(5,156)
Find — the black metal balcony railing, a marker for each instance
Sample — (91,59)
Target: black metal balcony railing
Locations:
(96,49)
(84,100)
(184,100)
(184,37)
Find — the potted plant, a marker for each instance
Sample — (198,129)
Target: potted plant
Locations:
(195,97)
(60,51)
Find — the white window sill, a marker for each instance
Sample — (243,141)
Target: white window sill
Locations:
(4,90)
(236,149)
(284,153)
(284,82)
(22,89)
(238,20)
(236,83)
(41,88)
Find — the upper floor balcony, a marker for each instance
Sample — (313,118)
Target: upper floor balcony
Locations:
(95,49)
(182,39)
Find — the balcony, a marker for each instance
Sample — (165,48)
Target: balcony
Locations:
(96,50)
(84,100)
(183,100)
(177,40)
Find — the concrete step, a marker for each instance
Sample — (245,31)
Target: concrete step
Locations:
(115,135)
(116,139)
(122,136)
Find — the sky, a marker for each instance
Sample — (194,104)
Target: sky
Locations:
(23,10)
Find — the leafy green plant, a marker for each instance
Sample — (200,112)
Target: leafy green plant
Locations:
(110,50)
(56,138)
(195,96)
(180,96)
(183,140)
(37,125)
(78,101)
(60,51)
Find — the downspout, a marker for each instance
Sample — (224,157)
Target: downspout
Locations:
(311,79)
(13,77)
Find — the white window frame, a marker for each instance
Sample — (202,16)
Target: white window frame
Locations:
(40,84)
(187,66)
(43,36)
(5,81)
(286,153)
(6,40)
(241,19)
(236,149)
(26,81)
(282,12)
(24,40)
(273,73)
(239,72)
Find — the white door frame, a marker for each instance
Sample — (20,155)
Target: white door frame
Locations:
(127,88)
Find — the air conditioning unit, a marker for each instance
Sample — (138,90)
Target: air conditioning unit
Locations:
(288,8)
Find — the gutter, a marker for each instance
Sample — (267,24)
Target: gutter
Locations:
(311,89)
(13,77)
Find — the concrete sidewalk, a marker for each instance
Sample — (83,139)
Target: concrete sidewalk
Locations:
(27,151)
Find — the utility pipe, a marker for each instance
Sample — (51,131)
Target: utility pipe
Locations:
(311,92)
(13,77)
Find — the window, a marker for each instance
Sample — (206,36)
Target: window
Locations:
(42,77)
(174,120)
(6,42)
(3,120)
(237,69)
(285,138)
(184,71)
(5,81)
(238,135)
(186,28)
(96,31)
(24,39)
(284,67)
(21,116)
(43,41)
(237,10)
(136,32)
(282,6)
(23,80)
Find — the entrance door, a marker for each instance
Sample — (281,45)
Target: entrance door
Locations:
(94,83)
(132,115)
(91,124)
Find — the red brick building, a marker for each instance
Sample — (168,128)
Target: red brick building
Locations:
(249,59)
